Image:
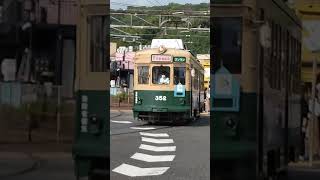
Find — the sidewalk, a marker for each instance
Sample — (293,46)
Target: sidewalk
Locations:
(123,106)
(14,163)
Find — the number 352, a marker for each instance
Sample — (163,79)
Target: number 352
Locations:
(160,98)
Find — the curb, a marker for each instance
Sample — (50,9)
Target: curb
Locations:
(34,165)
(304,166)
(118,111)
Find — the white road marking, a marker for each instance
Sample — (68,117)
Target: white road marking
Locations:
(143,128)
(154,134)
(157,148)
(157,141)
(122,122)
(151,158)
(134,171)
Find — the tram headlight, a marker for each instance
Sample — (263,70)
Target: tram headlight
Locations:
(94,125)
(230,124)
(139,101)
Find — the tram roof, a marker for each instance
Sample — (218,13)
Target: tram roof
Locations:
(171,51)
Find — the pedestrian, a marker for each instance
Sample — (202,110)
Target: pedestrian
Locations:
(207,108)
(303,125)
(205,99)
(314,127)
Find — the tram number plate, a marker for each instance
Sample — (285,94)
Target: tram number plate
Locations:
(160,98)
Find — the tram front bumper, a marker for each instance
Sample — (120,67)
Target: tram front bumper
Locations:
(161,109)
(161,114)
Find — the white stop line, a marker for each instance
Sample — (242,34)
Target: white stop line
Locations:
(157,141)
(134,171)
(154,134)
(143,128)
(155,138)
(122,122)
(157,148)
(152,158)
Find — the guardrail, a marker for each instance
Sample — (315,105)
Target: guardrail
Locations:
(35,112)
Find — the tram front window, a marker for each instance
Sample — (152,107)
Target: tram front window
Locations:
(179,75)
(98,49)
(161,75)
(227,43)
(143,75)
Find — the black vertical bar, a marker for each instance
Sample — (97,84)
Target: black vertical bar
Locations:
(261,57)
(59,48)
(286,143)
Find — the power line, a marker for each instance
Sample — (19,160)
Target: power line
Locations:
(136,35)
(125,4)
(158,2)
(156,27)
(151,2)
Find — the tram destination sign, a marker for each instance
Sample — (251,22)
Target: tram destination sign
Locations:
(179,59)
(161,58)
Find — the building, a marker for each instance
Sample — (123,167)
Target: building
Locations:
(40,36)
(205,62)
(309,13)
(121,67)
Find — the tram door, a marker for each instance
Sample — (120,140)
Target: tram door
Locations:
(91,142)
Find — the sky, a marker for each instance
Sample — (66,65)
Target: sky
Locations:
(121,4)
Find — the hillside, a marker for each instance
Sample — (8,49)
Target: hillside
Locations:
(198,42)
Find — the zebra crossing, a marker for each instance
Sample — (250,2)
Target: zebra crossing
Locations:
(151,142)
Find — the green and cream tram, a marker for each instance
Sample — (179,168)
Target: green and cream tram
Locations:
(255,114)
(167,85)
(91,141)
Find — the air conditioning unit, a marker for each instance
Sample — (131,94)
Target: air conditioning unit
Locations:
(168,43)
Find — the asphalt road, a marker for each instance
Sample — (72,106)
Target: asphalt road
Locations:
(145,152)
(160,152)
(304,174)
(50,166)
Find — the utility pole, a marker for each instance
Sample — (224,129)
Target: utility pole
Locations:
(58,72)
(313,113)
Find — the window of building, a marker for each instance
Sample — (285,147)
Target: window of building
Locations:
(98,43)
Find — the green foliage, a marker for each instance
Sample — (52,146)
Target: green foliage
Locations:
(175,6)
(200,40)
(122,96)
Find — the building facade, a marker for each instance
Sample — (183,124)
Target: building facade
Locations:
(39,35)
(309,13)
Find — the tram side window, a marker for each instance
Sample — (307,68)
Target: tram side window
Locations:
(196,80)
(227,43)
(143,75)
(161,75)
(98,48)
(179,75)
